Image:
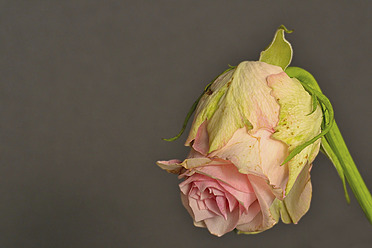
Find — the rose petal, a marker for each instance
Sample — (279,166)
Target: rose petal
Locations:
(263,220)
(232,201)
(272,154)
(298,200)
(258,154)
(202,205)
(219,225)
(212,206)
(201,142)
(237,100)
(228,174)
(296,124)
(245,199)
(185,203)
(200,214)
(248,215)
(243,151)
(172,166)
(221,204)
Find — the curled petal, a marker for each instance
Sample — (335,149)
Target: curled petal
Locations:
(239,98)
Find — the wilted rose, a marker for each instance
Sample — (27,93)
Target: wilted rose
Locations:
(245,126)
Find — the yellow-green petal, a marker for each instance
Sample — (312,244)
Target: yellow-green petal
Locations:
(296,124)
(239,98)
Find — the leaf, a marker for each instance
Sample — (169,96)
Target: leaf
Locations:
(279,52)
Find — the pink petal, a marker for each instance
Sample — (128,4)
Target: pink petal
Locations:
(232,201)
(218,225)
(186,184)
(247,216)
(272,154)
(246,199)
(228,174)
(265,197)
(212,206)
(199,214)
(203,185)
(202,205)
(298,200)
(172,166)
(221,204)
(201,142)
(204,195)
(243,151)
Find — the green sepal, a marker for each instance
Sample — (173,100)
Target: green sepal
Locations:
(314,103)
(193,107)
(279,52)
(336,150)
(187,118)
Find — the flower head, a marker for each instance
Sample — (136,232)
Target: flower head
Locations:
(244,128)
(256,131)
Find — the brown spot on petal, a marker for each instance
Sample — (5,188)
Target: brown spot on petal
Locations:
(209,92)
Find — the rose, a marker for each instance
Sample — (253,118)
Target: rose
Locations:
(221,199)
(245,126)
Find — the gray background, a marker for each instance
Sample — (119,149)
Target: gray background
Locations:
(88,88)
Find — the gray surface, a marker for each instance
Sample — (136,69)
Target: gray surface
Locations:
(88,88)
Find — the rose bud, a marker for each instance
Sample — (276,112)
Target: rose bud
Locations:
(256,131)
(245,126)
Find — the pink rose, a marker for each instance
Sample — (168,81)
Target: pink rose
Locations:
(244,128)
(220,198)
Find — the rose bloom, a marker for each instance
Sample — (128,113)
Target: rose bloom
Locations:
(245,126)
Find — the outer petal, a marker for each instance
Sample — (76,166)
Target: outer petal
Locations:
(186,204)
(263,220)
(295,125)
(243,150)
(175,166)
(229,175)
(219,225)
(201,142)
(239,99)
(248,216)
(172,166)
(257,154)
(209,103)
(273,153)
(297,202)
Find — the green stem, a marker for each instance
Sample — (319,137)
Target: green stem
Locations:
(352,174)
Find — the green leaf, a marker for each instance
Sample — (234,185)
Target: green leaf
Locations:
(279,52)
(335,148)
